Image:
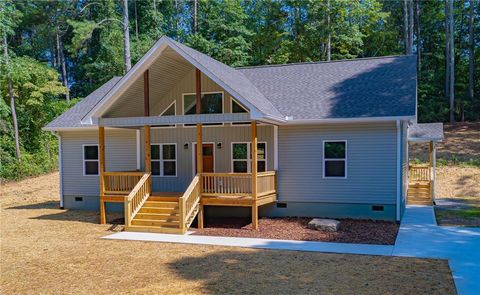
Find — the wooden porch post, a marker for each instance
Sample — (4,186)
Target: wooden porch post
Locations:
(432,160)
(146,106)
(199,151)
(101,168)
(254,176)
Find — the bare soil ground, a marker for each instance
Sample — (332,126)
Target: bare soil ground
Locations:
(45,250)
(350,231)
(462,143)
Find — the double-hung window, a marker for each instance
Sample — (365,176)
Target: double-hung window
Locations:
(242,157)
(164,159)
(335,159)
(90,159)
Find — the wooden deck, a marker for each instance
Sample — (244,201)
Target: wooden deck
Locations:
(174,212)
(420,185)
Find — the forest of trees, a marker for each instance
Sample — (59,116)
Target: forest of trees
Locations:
(54,53)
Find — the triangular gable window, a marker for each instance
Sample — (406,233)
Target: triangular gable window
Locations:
(238,108)
(169,111)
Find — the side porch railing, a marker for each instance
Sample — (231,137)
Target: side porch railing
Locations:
(188,203)
(120,183)
(419,173)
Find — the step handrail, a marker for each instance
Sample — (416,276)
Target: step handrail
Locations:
(136,198)
(188,202)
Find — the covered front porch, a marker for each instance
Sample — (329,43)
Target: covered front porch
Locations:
(171,211)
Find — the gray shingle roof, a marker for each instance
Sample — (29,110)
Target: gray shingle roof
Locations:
(361,88)
(371,87)
(74,115)
(426,132)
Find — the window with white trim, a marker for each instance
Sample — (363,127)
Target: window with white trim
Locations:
(335,159)
(170,110)
(237,108)
(242,157)
(90,159)
(164,159)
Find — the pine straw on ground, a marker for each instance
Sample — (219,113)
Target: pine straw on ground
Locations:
(45,250)
(292,228)
(458,182)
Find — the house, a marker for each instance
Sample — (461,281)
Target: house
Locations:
(174,137)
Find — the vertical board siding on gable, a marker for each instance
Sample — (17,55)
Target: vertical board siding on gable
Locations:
(120,155)
(371,164)
(185,169)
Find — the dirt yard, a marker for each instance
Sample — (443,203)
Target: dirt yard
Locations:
(45,250)
(462,143)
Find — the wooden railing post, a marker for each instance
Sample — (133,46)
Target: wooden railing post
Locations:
(254,175)
(101,168)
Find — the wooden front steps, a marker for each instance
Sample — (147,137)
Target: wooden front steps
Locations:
(420,193)
(158,214)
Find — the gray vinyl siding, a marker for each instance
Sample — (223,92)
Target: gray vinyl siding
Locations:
(185,157)
(120,155)
(371,164)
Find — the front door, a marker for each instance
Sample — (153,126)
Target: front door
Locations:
(208,154)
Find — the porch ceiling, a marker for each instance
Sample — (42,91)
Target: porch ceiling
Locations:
(164,74)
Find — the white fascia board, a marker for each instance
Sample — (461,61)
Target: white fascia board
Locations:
(348,120)
(140,67)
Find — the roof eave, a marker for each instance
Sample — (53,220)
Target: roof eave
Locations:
(349,120)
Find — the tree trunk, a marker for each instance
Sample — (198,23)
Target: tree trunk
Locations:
(471,53)
(451,63)
(62,66)
(447,51)
(195,11)
(329,38)
(410,27)
(136,19)
(419,44)
(126,38)
(12,99)
(405,25)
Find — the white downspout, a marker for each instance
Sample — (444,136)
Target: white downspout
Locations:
(60,170)
(434,171)
(399,166)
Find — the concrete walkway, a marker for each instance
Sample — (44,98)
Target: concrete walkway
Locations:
(419,236)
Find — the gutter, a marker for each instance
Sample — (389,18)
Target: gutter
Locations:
(292,121)
(399,164)
(60,169)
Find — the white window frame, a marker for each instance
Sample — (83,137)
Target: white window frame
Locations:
(249,155)
(232,100)
(334,159)
(174,103)
(161,160)
(84,160)
(206,92)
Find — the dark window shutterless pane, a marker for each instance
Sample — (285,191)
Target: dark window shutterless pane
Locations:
(91,167)
(334,168)
(261,166)
(155,168)
(155,152)
(91,152)
(211,103)
(208,151)
(239,151)
(334,150)
(170,111)
(169,168)
(169,152)
(261,151)
(237,108)
(189,104)
(240,166)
